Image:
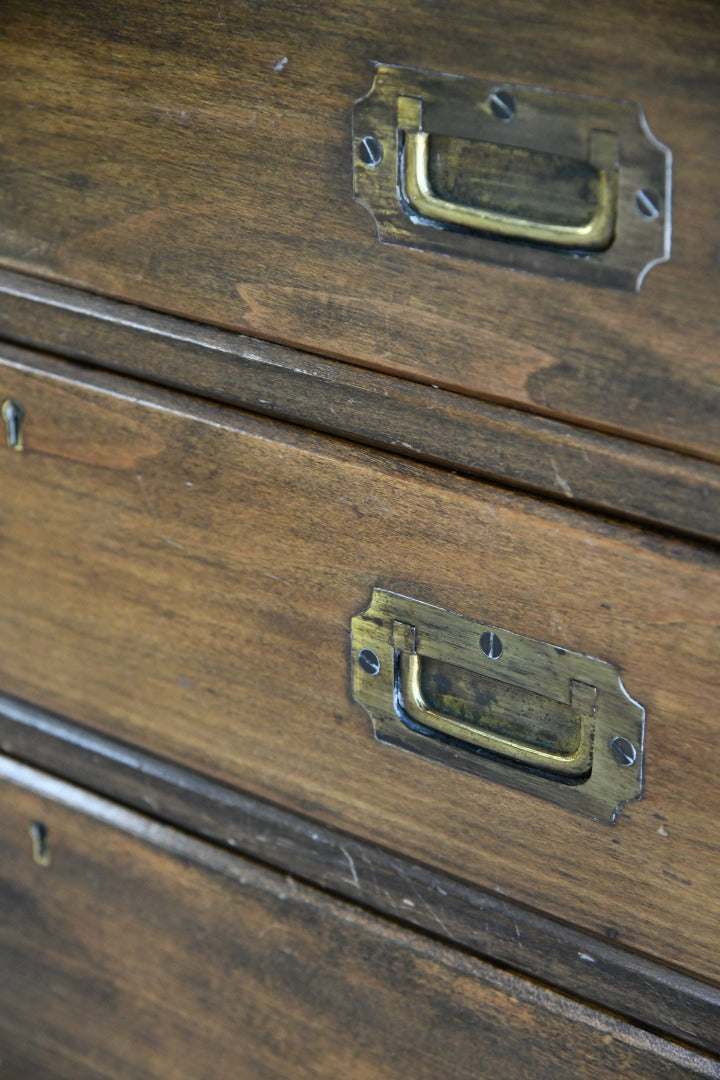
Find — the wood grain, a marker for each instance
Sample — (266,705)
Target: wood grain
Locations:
(142,953)
(182,576)
(196,159)
(489,925)
(562,461)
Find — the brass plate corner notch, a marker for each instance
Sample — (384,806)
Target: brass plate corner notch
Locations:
(525,713)
(557,184)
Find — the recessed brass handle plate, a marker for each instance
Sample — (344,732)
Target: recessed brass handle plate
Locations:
(534,716)
(553,183)
(595,233)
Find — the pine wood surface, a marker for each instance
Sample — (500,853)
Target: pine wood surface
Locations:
(196,159)
(139,952)
(565,462)
(182,576)
(488,924)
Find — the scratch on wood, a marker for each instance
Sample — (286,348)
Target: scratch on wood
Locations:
(431,911)
(283,581)
(153,512)
(560,480)
(270,928)
(351,864)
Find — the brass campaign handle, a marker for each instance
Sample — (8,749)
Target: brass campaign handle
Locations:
(595,234)
(528,714)
(411,701)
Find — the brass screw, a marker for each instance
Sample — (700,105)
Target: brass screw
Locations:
(369,661)
(370,151)
(648,203)
(623,751)
(502,105)
(491,645)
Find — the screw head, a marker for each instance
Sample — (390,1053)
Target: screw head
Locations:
(502,105)
(491,645)
(369,661)
(623,751)
(370,151)
(648,203)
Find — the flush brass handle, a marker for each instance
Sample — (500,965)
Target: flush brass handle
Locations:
(528,714)
(413,705)
(557,184)
(595,234)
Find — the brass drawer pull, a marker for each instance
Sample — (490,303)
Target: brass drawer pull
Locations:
(532,715)
(556,184)
(595,234)
(413,705)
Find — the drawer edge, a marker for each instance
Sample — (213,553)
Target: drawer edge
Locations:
(589,469)
(489,926)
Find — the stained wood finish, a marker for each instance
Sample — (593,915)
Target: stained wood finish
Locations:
(565,462)
(182,576)
(488,925)
(197,159)
(139,952)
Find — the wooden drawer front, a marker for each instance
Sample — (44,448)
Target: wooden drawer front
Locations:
(139,952)
(202,164)
(182,576)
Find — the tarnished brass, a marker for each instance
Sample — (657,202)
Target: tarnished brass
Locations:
(531,715)
(595,234)
(412,700)
(554,183)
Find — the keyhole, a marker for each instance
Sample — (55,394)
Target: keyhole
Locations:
(40,844)
(12,414)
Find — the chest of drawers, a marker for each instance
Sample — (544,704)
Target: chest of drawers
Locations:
(236,421)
